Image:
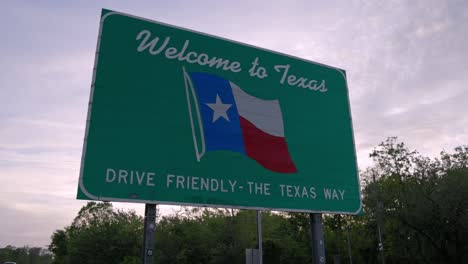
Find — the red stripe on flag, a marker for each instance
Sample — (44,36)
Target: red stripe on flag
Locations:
(268,150)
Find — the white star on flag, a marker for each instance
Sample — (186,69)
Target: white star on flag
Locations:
(219,109)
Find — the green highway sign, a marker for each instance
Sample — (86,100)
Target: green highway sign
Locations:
(181,117)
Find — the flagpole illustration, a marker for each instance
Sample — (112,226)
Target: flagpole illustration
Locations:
(191,93)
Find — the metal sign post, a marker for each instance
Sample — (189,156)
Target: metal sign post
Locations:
(379,223)
(337,258)
(260,244)
(317,242)
(148,235)
(349,245)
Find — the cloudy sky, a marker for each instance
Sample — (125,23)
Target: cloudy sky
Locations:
(406,62)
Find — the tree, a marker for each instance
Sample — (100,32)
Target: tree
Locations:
(25,255)
(422,203)
(99,234)
(222,235)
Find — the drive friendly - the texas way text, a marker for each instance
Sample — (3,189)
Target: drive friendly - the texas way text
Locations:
(195,183)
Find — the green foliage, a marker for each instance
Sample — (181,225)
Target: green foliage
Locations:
(221,236)
(99,235)
(421,203)
(25,255)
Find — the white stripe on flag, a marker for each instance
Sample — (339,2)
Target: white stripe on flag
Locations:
(264,114)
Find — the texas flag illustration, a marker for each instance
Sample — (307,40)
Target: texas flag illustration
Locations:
(230,119)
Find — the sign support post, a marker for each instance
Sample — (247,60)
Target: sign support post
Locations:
(259,234)
(317,242)
(349,245)
(337,258)
(148,235)
(379,219)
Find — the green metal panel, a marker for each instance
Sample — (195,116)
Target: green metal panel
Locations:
(143,140)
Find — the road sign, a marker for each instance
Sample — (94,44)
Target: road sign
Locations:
(181,117)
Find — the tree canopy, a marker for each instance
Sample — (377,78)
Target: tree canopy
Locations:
(25,255)
(422,203)
(99,234)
